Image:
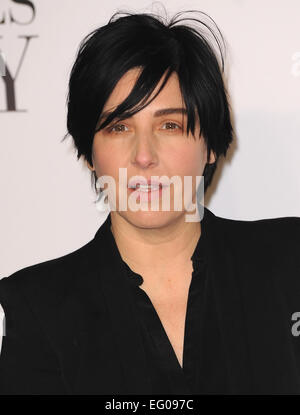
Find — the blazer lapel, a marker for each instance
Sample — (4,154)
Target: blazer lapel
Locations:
(229,306)
(119,301)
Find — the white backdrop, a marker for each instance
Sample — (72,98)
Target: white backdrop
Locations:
(46,196)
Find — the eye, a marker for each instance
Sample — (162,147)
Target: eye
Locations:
(116,128)
(119,128)
(171,126)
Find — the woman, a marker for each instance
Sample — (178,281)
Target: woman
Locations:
(155,303)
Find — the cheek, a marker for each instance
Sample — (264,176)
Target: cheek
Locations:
(189,161)
(103,161)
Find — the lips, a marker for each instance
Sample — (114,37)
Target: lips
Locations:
(146,194)
(134,183)
(146,188)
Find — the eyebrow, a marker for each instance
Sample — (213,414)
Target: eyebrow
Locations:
(158,113)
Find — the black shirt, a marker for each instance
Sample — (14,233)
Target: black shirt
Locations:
(203,368)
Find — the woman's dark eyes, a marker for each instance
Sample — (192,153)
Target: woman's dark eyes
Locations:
(117,126)
(171,123)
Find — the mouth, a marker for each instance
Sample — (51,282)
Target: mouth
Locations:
(146,188)
(146,193)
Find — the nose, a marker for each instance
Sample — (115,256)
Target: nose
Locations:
(144,152)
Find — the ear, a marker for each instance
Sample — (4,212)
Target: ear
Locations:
(90,166)
(212,157)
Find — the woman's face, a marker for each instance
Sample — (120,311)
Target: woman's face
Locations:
(149,144)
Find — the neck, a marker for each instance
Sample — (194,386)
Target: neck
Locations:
(158,252)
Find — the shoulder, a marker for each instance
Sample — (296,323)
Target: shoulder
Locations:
(55,269)
(32,300)
(47,287)
(267,248)
(272,233)
(45,281)
(268,239)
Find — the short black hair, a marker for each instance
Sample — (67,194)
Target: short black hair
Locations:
(145,40)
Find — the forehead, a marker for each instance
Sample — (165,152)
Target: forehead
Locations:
(170,94)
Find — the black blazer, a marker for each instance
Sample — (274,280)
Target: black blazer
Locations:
(71,327)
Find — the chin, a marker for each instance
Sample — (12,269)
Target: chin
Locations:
(150,219)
